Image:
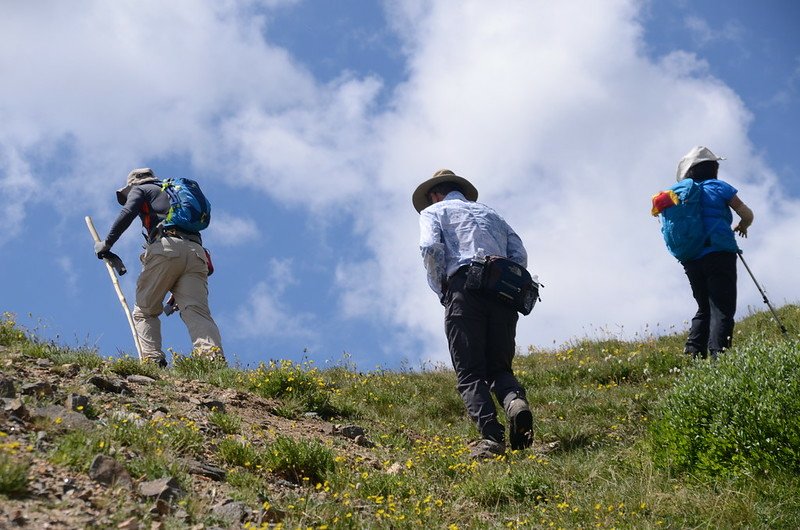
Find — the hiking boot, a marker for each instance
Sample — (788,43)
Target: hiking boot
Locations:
(485,449)
(520,421)
(161,362)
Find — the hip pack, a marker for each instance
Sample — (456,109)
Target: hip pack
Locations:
(501,279)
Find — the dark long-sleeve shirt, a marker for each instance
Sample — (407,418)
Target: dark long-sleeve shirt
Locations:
(147,201)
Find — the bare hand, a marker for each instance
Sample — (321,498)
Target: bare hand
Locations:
(741,230)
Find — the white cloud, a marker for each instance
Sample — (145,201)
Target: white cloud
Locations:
(703,33)
(229,230)
(567,134)
(18,188)
(552,110)
(266,315)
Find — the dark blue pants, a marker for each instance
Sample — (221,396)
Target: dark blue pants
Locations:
(713,281)
(481,335)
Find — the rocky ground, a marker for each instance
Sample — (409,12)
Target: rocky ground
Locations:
(42,400)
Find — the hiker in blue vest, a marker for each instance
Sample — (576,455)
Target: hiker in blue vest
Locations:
(481,331)
(712,273)
(174,261)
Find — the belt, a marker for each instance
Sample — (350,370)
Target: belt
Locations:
(174,232)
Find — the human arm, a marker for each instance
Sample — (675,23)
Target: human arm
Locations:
(515,250)
(132,207)
(745,214)
(432,248)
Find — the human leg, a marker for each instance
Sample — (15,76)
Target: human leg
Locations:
(465,326)
(160,268)
(501,348)
(721,273)
(191,296)
(697,341)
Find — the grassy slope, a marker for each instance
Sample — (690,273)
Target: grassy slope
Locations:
(592,468)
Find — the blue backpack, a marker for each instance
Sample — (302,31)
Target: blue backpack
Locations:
(189,210)
(681,219)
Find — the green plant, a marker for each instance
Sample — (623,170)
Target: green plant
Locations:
(227,423)
(302,385)
(127,365)
(734,416)
(239,453)
(13,475)
(296,460)
(179,436)
(77,449)
(10,334)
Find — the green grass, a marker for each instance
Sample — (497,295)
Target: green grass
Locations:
(628,434)
(13,475)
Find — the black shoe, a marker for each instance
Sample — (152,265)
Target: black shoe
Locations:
(520,419)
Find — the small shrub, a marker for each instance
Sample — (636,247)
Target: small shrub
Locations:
(298,460)
(236,453)
(295,382)
(127,365)
(13,475)
(9,333)
(227,423)
(159,435)
(197,366)
(77,449)
(734,416)
(151,467)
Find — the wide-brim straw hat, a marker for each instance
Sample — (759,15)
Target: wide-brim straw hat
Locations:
(137,176)
(695,156)
(420,196)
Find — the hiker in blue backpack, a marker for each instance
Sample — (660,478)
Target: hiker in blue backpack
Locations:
(174,261)
(711,268)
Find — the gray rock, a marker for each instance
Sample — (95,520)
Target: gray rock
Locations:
(7,389)
(44,363)
(230,510)
(70,370)
(108,471)
(198,468)
(106,385)
(351,431)
(16,408)
(77,402)
(140,379)
(363,441)
(66,419)
(39,389)
(213,404)
(166,488)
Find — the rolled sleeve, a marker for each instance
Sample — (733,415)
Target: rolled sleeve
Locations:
(516,250)
(433,252)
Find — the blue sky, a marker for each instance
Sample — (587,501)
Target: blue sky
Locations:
(309,124)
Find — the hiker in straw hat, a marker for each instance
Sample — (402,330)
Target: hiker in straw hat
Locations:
(454,229)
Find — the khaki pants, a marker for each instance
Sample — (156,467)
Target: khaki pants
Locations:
(179,266)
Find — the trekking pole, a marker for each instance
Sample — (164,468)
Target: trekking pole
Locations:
(117,287)
(764,296)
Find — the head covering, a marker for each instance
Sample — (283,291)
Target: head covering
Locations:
(420,196)
(137,176)
(695,156)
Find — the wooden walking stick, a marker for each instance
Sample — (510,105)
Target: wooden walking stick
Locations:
(117,287)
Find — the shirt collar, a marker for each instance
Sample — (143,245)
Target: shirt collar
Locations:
(453,195)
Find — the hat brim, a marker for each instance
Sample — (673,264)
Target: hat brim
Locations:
(122,194)
(420,196)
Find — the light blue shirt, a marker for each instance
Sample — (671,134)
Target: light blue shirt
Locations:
(454,229)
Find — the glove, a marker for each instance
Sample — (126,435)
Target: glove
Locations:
(101,248)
